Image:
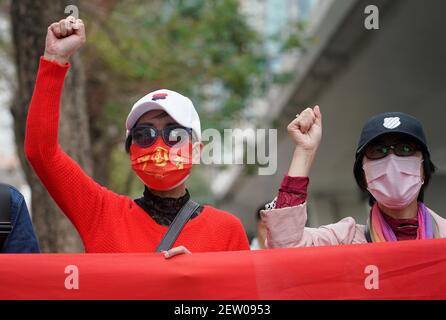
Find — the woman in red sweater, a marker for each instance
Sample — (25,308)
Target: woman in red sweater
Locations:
(162,159)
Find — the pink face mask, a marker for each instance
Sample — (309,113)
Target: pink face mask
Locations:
(394,181)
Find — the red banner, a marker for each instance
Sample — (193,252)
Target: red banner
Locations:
(403,270)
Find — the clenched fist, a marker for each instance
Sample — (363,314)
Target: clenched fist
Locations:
(63,39)
(306,133)
(306,129)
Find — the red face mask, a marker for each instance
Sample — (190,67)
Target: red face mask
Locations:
(161,167)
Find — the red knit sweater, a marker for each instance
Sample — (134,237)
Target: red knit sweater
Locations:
(106,221)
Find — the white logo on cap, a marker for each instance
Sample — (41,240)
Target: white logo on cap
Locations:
(392,123)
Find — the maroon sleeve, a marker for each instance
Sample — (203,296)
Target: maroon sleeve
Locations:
(292,192)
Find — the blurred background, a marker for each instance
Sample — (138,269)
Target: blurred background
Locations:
(245,64)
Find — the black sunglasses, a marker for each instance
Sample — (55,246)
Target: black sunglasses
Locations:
(379,151)
(145,135)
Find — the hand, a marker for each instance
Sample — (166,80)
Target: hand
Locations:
(306,129)
(63,39)
(176,251)
(306,133)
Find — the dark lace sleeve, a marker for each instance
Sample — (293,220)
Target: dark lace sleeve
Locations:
(292,192)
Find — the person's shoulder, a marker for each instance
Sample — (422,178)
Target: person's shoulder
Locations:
(221,215)
(16,200)
(346,231)
(439,219)
(15,194)
(435,215)
(347,222)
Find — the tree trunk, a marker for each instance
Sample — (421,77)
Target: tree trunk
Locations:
(103,139)
(30,20)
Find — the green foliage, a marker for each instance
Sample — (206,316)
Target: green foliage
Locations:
(183,46)
(297,38)
(202,48)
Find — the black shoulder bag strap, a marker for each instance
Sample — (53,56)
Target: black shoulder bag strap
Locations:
(5,214)
(177,225)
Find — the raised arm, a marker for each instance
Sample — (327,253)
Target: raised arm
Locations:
(306,133)
(79,197)
(286,223)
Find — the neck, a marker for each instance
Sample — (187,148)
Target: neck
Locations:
(410,212)
(175,193)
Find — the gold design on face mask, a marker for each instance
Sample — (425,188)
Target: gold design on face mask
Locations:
(179,162)
(160,157)
(142,159)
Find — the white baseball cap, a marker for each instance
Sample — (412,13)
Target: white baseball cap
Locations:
(179,107)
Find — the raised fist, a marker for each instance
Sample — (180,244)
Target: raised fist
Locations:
(63,39)
(306,129)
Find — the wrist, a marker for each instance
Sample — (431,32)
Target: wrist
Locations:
(301,162)
(305,152)
(55,58)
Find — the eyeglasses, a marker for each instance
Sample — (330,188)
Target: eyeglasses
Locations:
(145,135)
(379,151)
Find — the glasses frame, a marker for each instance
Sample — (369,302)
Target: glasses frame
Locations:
(394,148)
(164,133)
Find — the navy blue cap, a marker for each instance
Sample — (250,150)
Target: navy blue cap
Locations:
(391,122)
